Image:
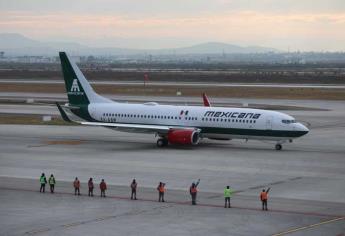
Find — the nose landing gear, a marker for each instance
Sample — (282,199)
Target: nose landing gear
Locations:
(278,147)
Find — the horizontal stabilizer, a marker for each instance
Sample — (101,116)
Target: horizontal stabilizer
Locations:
(63,113)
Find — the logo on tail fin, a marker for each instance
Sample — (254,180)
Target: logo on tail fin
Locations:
(75,86)
(75,90)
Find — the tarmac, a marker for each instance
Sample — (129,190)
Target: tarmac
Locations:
(307,180)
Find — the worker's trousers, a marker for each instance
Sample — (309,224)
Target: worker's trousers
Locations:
(134,194)
(43,188)
(193,198)
(227,202)
(52,186)
(76,190)
(90,192)
(161,197)
(264,205)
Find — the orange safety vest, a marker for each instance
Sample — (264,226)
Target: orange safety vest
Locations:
(161,189)
(263,196)
(193,190)
(76,184)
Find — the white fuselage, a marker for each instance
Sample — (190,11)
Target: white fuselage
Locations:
(214,122)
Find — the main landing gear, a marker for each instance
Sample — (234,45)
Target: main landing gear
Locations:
(162,142)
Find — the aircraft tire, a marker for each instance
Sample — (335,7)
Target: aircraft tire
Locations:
(161,142)
(278,147)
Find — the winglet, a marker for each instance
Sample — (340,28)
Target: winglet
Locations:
(63,113)
(206,101)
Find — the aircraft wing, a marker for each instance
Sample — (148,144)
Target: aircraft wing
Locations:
(162,129)
(138,128)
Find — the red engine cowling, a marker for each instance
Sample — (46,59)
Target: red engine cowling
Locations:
(184,136)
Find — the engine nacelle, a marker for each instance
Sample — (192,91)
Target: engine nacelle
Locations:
(184,136)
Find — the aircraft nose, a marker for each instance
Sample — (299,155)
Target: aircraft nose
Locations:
(303,129)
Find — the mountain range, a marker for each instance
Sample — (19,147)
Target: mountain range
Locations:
(19,45)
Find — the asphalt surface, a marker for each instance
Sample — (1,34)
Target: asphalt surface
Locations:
(306,178)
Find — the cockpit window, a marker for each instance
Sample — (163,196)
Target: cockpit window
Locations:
(288,121)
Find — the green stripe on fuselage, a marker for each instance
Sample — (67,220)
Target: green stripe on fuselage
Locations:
(236,131)
(253,132)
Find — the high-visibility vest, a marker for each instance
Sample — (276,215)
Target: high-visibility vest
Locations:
(103,186)
(43,180)
(263,196)
(193,190)
(51,180)
(227,192)
(76,183)
(161,189)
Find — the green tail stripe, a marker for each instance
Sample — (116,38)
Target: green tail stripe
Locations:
(75,92)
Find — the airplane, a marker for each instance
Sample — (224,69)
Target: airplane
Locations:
(176,125)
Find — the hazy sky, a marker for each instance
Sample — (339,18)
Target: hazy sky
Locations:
(295,24)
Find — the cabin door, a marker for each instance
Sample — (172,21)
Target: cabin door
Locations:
(269,123)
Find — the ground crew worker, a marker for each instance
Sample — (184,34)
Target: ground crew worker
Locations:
(90,185)
(161,190)
(134,190)
(193,191)
(43,181)
(51,182)
(103,187)
(227,195)
(76,185)
(264,198)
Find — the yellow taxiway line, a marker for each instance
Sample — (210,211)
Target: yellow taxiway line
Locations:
(308,226)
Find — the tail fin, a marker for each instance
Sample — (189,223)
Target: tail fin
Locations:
(206,100)
(78,89)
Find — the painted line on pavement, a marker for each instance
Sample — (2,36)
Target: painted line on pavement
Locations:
(308,226)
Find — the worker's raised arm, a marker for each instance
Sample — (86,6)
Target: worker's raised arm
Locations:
(197,183)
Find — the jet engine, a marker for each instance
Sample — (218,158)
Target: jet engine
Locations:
(184,136)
